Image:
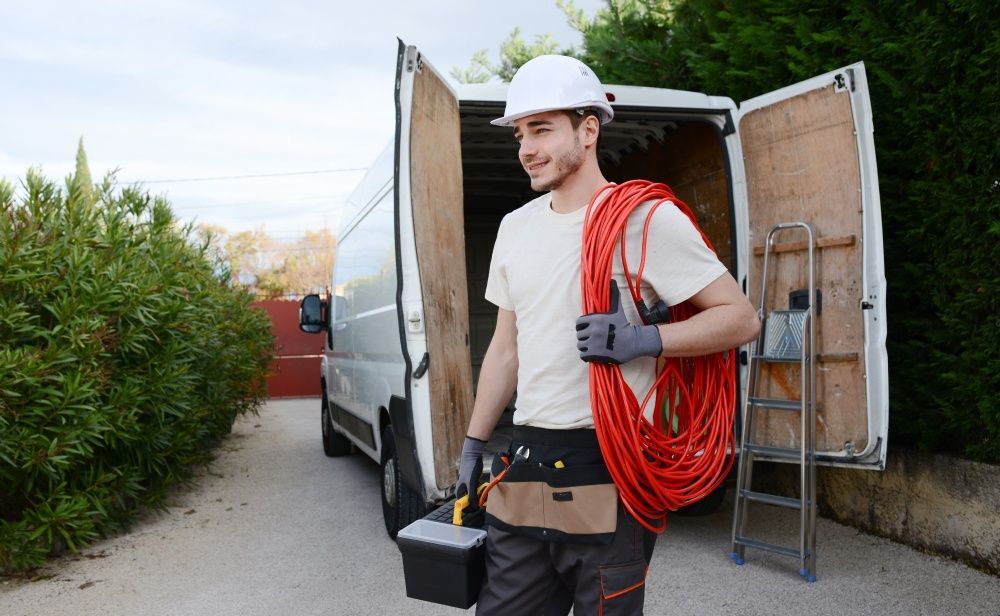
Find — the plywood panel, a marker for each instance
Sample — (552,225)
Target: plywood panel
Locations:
(690,161)
(802,165)
(436,194)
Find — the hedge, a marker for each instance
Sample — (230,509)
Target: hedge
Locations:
(124,356)
(932,71)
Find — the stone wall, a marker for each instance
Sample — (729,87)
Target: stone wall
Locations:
(933,502)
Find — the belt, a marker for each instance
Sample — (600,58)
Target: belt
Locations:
(558,487)
(576,438)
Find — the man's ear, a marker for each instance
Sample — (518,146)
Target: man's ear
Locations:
(591,127)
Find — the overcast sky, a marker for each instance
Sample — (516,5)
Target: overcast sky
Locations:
(194,89)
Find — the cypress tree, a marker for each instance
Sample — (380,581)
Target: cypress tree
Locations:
(82,178)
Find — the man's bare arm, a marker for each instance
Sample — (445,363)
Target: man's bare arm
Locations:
(727,320)
(497,378)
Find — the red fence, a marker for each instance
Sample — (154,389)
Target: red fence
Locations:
(295,369)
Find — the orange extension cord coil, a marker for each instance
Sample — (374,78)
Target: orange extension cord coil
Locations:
(687,451)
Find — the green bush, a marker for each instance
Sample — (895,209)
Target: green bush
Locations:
(124,356)
(932,71)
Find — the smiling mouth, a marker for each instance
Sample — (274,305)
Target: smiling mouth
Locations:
(533,167)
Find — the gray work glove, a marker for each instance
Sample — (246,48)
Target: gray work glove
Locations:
(470,468)
(608,337)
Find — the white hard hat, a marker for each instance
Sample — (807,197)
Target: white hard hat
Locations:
(549,83)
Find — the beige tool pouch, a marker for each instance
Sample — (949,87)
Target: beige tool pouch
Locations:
(574,504)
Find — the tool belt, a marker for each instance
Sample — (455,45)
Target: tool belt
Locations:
(556,488)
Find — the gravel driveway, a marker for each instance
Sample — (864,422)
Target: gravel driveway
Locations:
(276,528)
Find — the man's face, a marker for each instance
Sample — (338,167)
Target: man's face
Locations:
(550,149)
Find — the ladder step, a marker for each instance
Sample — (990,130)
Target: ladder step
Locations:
(771,359)
(776,403)
(771,499)
(767,547)
(783,453)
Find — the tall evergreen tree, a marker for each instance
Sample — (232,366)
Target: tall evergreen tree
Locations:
(82,179)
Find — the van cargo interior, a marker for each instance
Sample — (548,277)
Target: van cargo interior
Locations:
(684,153)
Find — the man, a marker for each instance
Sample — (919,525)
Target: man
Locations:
(558,537)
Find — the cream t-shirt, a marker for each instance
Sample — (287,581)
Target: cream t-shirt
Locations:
(535,272)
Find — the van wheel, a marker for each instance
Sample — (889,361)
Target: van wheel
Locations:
(400,504)
(706,506)
(335,444)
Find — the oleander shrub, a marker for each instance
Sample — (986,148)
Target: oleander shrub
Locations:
(125,355)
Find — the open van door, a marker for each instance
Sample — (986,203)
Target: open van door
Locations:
(432,300)
(809,156)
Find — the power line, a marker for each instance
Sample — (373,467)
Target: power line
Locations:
(277,201)
(248,176)
(284,250)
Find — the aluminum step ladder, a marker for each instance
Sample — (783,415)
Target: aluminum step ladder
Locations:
(786,336)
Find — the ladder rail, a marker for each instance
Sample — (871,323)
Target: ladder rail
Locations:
(807,464)
(806,552)
(744,466)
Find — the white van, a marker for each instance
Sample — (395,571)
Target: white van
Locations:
(409,326)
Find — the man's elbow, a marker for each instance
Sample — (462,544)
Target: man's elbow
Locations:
(750,324)
(503,351)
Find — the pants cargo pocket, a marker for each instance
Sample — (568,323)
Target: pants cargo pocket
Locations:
(623,588)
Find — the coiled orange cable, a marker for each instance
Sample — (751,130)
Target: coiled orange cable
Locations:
(687,450)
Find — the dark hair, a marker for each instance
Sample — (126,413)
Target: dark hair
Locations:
(577,116)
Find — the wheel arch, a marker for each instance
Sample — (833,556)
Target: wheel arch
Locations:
(398,416)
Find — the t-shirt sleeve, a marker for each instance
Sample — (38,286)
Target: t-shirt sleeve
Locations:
(678,262)
(497,285)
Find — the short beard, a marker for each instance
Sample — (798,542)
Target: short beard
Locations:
(566,164)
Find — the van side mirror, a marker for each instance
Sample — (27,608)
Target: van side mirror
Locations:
(311,310)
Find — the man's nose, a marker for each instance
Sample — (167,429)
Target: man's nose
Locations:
(527,148)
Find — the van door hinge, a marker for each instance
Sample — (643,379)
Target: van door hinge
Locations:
(415,63)
(844,81)
(728,127)
(421,368)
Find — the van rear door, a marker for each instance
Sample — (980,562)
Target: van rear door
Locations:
(809,156)
(433,298)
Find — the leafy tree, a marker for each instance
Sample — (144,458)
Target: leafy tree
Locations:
(305,266)
(514,52)
(269,268)
(479,70)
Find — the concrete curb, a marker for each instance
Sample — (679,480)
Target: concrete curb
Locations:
(933,502)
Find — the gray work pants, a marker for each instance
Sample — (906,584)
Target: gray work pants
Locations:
(531,576)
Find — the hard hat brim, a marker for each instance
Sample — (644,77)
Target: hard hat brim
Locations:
(606,114)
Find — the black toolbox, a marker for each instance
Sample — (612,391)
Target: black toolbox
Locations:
(442,563)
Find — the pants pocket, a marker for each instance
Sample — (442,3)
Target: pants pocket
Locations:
(623,588)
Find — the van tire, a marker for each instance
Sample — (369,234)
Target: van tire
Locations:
(400,504)
(335,444)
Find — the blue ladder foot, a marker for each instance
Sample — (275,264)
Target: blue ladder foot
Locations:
(804,573)
(736,558)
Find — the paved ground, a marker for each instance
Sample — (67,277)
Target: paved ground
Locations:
(276,528)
